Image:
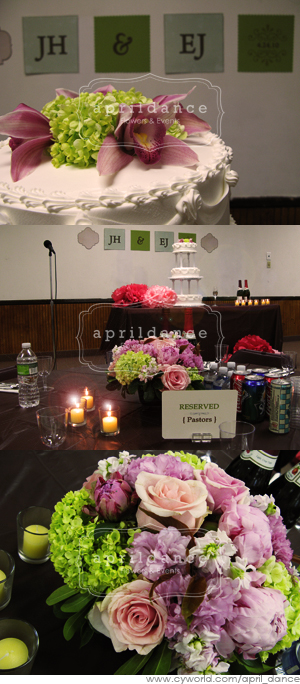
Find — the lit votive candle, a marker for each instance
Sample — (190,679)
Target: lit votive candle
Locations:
(237,303)
(77,415)
(109,421)
(262,301)
(243,303)
(256,302)
(250,302)
(2,583)
(35,541)
(88,397)
(13,653)
(267,301)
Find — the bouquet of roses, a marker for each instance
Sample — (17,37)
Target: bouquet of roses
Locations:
(150,297)
(171,558)
(155,364)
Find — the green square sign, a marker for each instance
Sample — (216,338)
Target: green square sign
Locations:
(187,236)
(122,44)
(140,240)
(265,43)
(50,45)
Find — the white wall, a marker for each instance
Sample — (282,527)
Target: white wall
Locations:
(95,273)
(261,109)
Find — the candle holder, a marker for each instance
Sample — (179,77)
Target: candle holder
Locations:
(250,302)
(237,303)
(109,421)
(7,571)
(262,301)
(32,528)
(243,303)
(267,301)
(89,396)
(256,302)
(23,639)
(77,413)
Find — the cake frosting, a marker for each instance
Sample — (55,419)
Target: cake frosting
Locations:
(186,273)
(136,195)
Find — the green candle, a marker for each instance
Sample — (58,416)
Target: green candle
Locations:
(13,653)
(2,584)
(35,542)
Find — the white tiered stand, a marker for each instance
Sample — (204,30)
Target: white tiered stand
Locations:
(189,298)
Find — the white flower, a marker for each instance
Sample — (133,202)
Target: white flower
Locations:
(213,552)
(239,570)
(111,465)
(263,502)
(198,654)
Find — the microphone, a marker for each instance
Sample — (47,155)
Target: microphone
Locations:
(48,245)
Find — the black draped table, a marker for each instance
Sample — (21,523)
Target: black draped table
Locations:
(140,425)
(212,324)
(42,479)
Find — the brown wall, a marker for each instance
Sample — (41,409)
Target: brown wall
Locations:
(31,322)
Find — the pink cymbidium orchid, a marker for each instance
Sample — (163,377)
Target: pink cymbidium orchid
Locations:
(142,131)
(30,136)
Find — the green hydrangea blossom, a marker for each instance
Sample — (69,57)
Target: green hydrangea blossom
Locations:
(86,563)
(277,577)
(194,374)
(129,366)
(79,125)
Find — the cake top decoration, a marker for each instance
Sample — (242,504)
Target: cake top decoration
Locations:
(106,128)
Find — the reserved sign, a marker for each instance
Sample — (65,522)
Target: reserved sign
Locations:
(196,411)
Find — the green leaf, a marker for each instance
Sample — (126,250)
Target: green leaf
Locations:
(133,386)
(76,603)
(112,384)
(133,665)
(194,596)
(105,528)
(60,594)
(160,661)
(58,613)
(86,634)
(149,393)
(74,623)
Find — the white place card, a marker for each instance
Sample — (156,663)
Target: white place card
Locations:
(196,411)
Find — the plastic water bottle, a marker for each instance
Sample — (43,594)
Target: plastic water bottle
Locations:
(221,378)
(210,377)
(27,368)
(231,365)
(226,383)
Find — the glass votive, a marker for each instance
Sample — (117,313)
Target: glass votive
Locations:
(250,302)
(267,301)
(262,301)
(243,303)
(32,528)
(109,421)
(77,413)
(237,303)
(89,396)
(19,642)
(256,302)
(7,571)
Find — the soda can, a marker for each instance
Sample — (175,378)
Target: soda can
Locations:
(236,382)
(254,398)
(280,404)
(291,659)
(259,371)
(273,374)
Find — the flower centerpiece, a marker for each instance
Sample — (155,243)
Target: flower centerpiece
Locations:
(136,294)
(155,364)
(104,128)
(253,343)
(171,558)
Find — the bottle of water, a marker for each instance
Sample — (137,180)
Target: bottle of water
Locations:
(231,365)
(27,368)
(221,378)
(226,383)
(210,377)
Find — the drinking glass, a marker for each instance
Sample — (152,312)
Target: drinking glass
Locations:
(215,294)
(7,566)
(52,422)
(221,352)
(289,361)
(236,436)
(44,369)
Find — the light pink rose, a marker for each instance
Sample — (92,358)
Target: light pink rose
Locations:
(249,529)
(184,500)
(130,618)
(258,623)
(175,378)
(160,343)
(221,487)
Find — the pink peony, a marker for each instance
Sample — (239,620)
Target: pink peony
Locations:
(221,487)
(184,500)
(249,530)
(158,295)
(130,618)
(167,355)
(175,378)
(113,497)
(258,623)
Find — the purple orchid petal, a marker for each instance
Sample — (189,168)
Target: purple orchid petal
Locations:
(111,158)
(124,116)
(104,89)
(177,153)
(166,99)
(191,122)
(24,122)
(148,139)
(26,157)
(66,93)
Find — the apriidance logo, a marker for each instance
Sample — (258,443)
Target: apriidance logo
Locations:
(102,327)
(148,107)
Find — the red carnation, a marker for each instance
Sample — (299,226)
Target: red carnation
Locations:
(254,343)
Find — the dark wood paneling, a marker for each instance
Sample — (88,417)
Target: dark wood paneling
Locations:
(30,322)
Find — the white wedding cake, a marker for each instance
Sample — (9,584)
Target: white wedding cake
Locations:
(186,274)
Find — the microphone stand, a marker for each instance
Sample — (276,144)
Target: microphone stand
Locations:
(52,306)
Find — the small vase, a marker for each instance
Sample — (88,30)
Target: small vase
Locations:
(156,401)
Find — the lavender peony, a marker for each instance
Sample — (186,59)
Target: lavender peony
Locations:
(249,530)
(113,497)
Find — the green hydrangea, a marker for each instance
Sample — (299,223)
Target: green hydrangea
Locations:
(129,366)
(277,577)
(79,125)
(194,374)
(86,563)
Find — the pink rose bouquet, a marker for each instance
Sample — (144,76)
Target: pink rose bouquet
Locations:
(168,556)
(154,365)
